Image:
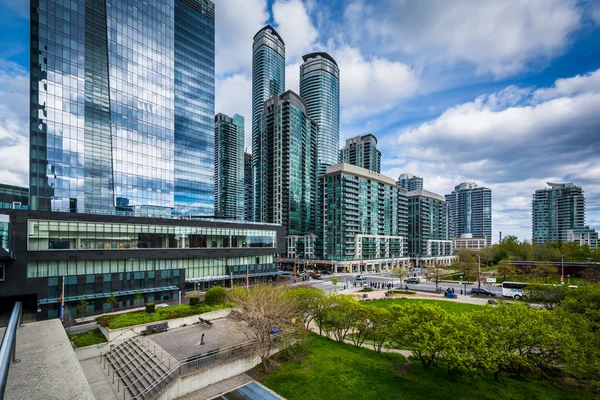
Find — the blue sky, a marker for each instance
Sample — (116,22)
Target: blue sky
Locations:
(504,93)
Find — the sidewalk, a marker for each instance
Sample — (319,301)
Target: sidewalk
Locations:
(377,294)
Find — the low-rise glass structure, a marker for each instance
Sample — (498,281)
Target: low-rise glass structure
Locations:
(16,197)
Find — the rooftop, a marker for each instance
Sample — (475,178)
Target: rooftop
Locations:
(362,172)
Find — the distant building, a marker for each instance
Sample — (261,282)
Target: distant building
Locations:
(555,211)
(428,228)
(583,236)
(229,166)
(248,187)
(14,197)
(286,187)
(468,242)
(470,211)
(362,152)
(410,182)
(365,219)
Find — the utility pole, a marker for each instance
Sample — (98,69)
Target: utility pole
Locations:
(562,269)
(62,300)
(478,271)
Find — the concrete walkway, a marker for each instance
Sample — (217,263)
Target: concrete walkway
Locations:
(218,388)
(98,381)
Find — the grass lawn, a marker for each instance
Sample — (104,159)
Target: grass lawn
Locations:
(88,338)
(117,321)
(449,306)
(332,370)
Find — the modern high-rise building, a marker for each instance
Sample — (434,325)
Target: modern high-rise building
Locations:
(362,152)
(248,187)
(286,188)
(14,197)
(410,182)
(428,228)
(229,166)
(122,106)
(320,90)
(365,219)
(555,211)
(470,211)
(268,80)
(584,236)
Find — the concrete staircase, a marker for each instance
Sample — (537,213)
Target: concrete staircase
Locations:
(134,365)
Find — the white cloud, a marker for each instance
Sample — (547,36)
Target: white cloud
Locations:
(237,21)
(234,96)
(587,83)
(499,37)
(292,77)
(14,134)
(295,27)
(371,86)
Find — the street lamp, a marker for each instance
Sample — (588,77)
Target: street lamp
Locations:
(562,269)
(478,272)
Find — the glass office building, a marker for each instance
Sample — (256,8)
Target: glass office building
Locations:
(557,210)
(14,197)
(362,152)
(410,182)
(229,166)
(470,211)
(248,187)
(320,90)
(428,228)
(122,106)
(268,80)
(286,191)
(365,217)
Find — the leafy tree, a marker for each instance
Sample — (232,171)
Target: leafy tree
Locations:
(544,271)
(505,268)
(399,272)
(259,310)
(215,295)
(465,256)
(381,322)
(421,328)
(585,301)
(308,299)
(501,254)
(546,295)
(592,274)
(112,301)
(335,281)
(139,297)
(341,316)
(81,307)
(363,325)
(464,341)
(436,276)
(468,271)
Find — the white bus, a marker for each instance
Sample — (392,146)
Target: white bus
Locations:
(513,290)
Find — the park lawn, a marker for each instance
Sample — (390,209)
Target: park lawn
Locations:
(334,370)
(88,338)
(450,306)
(116,321)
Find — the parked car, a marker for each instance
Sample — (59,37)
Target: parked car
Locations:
(412,280)
(326,272)
(361,277)
(482,292)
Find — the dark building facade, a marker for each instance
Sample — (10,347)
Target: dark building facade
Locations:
(16,197)
(229,166)
(96,255)
(470,211)
(362,152)
(122,106)
(248,187)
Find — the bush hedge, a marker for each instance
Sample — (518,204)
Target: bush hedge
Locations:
(215,295)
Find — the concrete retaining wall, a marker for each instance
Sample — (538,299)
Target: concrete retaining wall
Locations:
(115,336)
(87,352)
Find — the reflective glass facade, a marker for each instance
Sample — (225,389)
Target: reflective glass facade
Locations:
(555,211)
(268,80)
(363,213)
(14,197)
(108,87)
(229,166)
(248,187)
(55,235)
(410,182)
(362,152)
(428,225)
(320,90)
(470,211)
(286,192)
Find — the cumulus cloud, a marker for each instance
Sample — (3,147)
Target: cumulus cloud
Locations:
(295,27)
(14,134)
(236,23)
(498,37)
(514,142)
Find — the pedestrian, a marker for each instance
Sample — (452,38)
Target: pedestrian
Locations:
(452,290)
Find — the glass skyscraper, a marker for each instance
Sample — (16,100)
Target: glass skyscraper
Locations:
(410,182)
(286,191)
(122,106)
(470,211)
(268,80)
(229,166)
(320,89)
(362,152)
(555,211)
(248,188)
(428,226)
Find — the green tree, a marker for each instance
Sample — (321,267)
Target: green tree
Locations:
(363,325)
(81,307)
(505,268)
(308,299)
(139,297)
(112,301)
(436,276)
(399,272)
(421,328)
(381,322)
(544,271)
(546,295)
(341,316)
(335,281)
(215,295)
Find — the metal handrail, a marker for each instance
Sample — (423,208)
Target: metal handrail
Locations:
(160,379)
(143,352)
(9,345)
(136,381)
